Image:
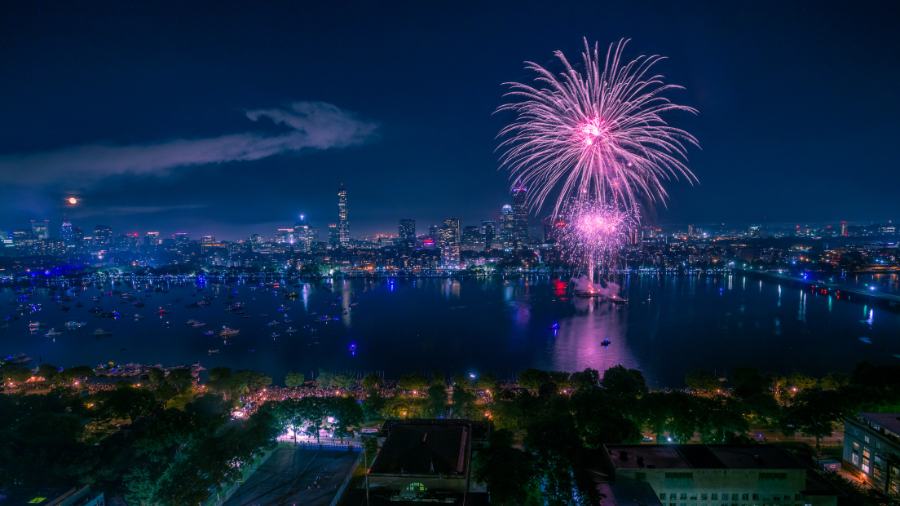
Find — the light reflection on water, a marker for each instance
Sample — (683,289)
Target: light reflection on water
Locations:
(671,325)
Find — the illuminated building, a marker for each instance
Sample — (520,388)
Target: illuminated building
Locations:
(102,236)
(507,227)
(872,449)
(472,240)
(334,236)
(407,233)
(304,235)
(40,229)
(520,216)
(710,474)
(427,461)
(449,243)
(67,234)
(343,218)
(151,239)
(284,235)
(489,233)
(844,231)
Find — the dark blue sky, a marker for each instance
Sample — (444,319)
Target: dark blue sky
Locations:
(229,118)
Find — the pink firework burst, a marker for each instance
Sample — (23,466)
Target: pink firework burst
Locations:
(593,233)
(596,133)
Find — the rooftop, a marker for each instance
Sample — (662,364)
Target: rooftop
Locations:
(701,457)
(424,447)
(890,422)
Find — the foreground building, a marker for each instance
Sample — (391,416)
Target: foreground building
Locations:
(709,475)
(872,450)
(427,461)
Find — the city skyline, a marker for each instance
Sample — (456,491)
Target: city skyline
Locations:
(234,140)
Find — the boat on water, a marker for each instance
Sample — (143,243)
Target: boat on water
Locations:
(228,331)
(275,335)
(34,326)
(290,330)
(72,324)
(616,299)
(102,333)
(213,351)
(53,333)
(209,333)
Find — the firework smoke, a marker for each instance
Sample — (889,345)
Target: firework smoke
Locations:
(593,233)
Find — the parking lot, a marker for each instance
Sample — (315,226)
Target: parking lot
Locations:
(296,475)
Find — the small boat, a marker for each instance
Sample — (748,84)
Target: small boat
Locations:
(290,330)
(102,333)
(53,333)
(34,326)
(213,351)
(615,299)
(605,343)
(866,340)
(72,325)
(273,323)
(209,333)
(228,331)
(275,335)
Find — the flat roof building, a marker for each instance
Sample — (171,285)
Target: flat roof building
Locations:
(709,475)
(872,450)
(425,461)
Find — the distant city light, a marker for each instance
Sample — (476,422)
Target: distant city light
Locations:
(72,200)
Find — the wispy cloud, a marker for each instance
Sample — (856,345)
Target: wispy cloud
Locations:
(135,210)
(310,125)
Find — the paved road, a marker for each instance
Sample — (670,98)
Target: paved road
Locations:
(296,476)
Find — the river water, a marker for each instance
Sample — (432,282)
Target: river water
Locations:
(671,325)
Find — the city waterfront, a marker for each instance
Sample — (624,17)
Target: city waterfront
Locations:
(671,325)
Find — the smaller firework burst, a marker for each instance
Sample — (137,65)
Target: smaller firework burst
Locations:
(593,233)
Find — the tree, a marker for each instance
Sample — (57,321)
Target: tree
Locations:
(463,403)
(814,413)
(624,384)
(437,400)
(532,379)
(702,382)
(371,382)
(294,379)
(412,382)
(509,473)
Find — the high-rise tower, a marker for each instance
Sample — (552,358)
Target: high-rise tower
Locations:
(343,220)
(520,216)
(449,243)
(407,233)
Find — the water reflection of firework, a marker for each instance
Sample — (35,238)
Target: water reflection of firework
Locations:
(593,234)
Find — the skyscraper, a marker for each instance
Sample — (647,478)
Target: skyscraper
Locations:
(40,229)
(520,216)
(343,218)
(67,234)
(489,233)
(507,227)
(303,235)
(449,243)
(334,236)
(407,233)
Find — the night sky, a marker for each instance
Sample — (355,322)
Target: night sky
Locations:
(229,119)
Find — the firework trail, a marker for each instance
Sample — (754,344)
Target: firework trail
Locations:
(592,233)
(596,133)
